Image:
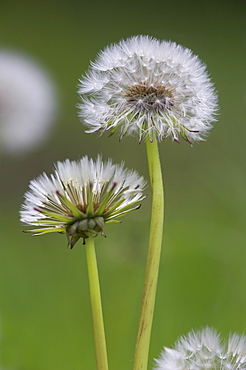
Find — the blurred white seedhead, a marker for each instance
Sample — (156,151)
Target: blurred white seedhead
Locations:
(150,88)
(204,350)
(28,104)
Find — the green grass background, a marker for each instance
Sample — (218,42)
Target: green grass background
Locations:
(44,298)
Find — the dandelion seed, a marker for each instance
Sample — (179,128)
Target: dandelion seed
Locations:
(204,350)
(27,104)
(81,197)
(150,88)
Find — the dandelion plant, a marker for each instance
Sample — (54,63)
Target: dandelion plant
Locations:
(152,89)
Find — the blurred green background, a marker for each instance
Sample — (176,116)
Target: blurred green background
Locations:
(44,301)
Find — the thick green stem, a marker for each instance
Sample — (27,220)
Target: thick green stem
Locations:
(153,259)
(96,306)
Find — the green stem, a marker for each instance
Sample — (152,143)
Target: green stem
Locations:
(153,259)
(96,306)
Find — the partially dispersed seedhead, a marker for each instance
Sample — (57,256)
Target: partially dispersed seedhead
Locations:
(204,350)
(80,198)
(149,88)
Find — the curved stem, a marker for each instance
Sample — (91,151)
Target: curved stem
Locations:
(153,259)
(96,306)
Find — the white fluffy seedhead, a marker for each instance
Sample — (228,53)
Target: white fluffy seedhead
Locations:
(28,103)
(204,350)
(150,88)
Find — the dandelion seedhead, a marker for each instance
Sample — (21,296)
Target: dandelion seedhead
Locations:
(203,350)
(150,88)
(81,197)
(27,103)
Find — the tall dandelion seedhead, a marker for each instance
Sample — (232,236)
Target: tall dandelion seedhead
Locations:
(28,103)
(203,350)
(80,197)
(150,88)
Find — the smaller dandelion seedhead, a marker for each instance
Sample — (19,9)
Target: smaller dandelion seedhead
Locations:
(80,198)
(204,350)
(150,88)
